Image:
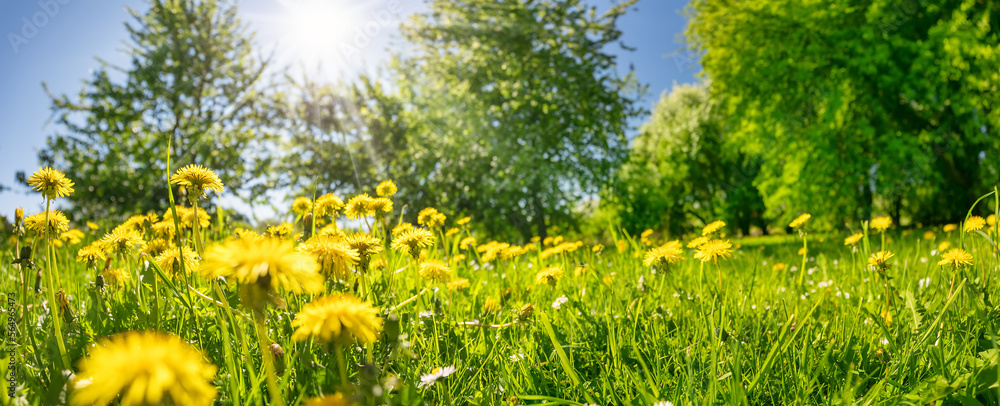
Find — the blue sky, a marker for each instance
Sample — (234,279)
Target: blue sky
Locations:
(58,42)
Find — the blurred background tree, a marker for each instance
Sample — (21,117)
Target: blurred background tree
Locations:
(517,109)
(684,171)
(193,80)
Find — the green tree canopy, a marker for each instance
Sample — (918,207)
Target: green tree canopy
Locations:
(858,106)
(684,170)
(193,80)
(517,108)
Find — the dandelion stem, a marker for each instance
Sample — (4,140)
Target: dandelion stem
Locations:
(341,365)
(53,305)
(272,382)
(407,301)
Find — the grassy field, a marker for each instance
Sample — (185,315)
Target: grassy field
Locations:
(546,322)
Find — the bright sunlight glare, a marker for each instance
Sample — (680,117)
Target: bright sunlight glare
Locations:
(320,32)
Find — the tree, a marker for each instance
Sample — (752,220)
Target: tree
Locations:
(193,80)
(858,106)
(516,108)
(684,170)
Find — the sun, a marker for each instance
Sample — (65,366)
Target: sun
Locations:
(319,32)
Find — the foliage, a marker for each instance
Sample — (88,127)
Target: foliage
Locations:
(858,107)
(684,171)
(516,108)
(193,81)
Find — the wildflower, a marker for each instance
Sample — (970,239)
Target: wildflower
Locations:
(712,227)
(121,241)
(512,252)
(302,205)
(359,206)
(386,189)
(991,219)
(379,264)
(91,255)
(955,257)
(949,228)
(463,221)
(435,270)
(457,259)
(559,302)
(335,257)
(452,231)
(880,260)
(943,246)
(491,305)
(144,368)
(458,284)
(644,236)
(51,183)
(697,242)
(713,250)
(279,231)
(549,275)
(580,270)
(365,244)
(800,220)
(116,276)
(437,374)
(170,260)
(331,230)
(780,266)
(526,311)
(337,399)
(853,238)
(57,222)
(929,235)
(247,235)
(328,205)
(430,217)
(467,242)
(338,319)
(92,225)
(597,248)
(72,237)
(380,206)
(196,179)
(155,247)
(662,255)
(881,223)
(411,241)
(268,263)
(974,223)
(803,250)
(401,228)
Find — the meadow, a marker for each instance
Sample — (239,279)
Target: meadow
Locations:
(389,312)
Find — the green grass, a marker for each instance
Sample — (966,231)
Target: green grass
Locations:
(626,335)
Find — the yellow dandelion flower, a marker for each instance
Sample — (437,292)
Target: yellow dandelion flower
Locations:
(435,271)
(410,242)
(467,242)
(337,399)
(386,189)
(331,230)
(335,257)
(457,259)
(929,235)
(991,219)
(645,234)
(196,179)
(359,206)
(712,227)
(713,250)
(430,217)
(339,319)
(697,242)
(463,221)
(974,223)
(549,275)
(380,205)
(144,368)
(91,255)
(853,238)
(881,223)
(512,252)
(880,260)
(155,247)
(802,251)
(597,248)
(580,270)
(950,227)
(378,264)
(955,257)
(248,235)
(282,230)
(72,237)
(800,220)
(328,205)
(170,260)
(302,205)
(491,305)
(92,225)
(122,240)
(58,222)
(780,266)
(270,262)
(401,228)
(118,277)
(52,183)
(662,255)
(459,284)
(452,231)
(943,246)
(365,244)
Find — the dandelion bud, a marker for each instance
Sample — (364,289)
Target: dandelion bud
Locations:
(99,282)
(526,312)
(18,215)
(25,254)
(38,281)
(278,354)
(307,222)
